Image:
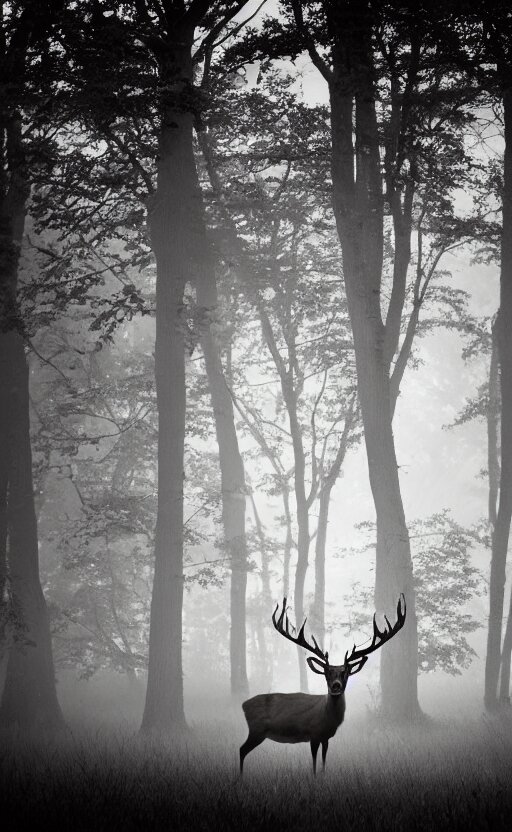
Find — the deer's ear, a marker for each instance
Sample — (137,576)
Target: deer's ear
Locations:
(312,662)
(357,666)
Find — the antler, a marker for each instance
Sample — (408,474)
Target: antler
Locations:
(380,636)
(282,625)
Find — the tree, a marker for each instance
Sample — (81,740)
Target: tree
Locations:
(483,37)
(183,255)
(94,434)
(29,696)
(496,30)
(275,229)
(390,100)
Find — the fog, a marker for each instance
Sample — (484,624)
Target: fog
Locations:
(440,468)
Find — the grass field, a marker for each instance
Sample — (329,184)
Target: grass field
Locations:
(443,776)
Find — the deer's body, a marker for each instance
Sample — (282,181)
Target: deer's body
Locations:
(294,717)
(303,717)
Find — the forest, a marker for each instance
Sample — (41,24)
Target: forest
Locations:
(255,370)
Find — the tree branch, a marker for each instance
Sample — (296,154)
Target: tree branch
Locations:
(309,43)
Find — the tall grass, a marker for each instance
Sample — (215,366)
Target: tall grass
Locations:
(442,776)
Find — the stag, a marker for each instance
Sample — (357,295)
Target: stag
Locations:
(303,717)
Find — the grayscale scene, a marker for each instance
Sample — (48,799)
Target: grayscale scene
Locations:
(255,415)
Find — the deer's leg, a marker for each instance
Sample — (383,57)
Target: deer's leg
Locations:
(325,746)
(314,748)
(251,742)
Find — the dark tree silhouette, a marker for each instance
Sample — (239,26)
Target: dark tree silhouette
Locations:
(497,30)
(29,697)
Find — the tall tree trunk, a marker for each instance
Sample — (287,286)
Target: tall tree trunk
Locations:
(172,222)
(232,478)
(399,659)
(493,427)
(264,611)
(236,251)
(506,659)
(29,698)
(288,540)
(5,624)
(504,338)
(289,384)
(303,535)
(164,707)
(493,464)
(303,541)
(327,484)
(358,206)
(266,591)
(318,611)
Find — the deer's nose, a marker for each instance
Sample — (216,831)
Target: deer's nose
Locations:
(336,687)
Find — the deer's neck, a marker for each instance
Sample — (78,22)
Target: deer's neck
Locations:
(335,706)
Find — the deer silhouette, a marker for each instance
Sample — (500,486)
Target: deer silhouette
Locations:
(304,717)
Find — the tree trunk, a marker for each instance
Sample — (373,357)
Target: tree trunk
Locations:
(399,658)
(318,611)
(172,223)
(328,483)
(493,423)
(29,698)
(493,443)
(505,659)
(266,592)
(358,207)
(288,541)
(504,338)
(303,541)
(5,627)
(266,600)
(164,708)
(232,479)
(289,390)
(303,536)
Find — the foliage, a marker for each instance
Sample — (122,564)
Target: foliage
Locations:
(445,581)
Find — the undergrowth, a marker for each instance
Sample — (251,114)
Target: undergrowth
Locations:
(442,776)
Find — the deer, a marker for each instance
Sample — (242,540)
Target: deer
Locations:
(305,717)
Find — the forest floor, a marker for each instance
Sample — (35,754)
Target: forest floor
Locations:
(442,776)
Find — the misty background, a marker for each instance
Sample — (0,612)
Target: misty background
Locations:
(441,469)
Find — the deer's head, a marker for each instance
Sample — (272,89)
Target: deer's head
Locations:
(337,676)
